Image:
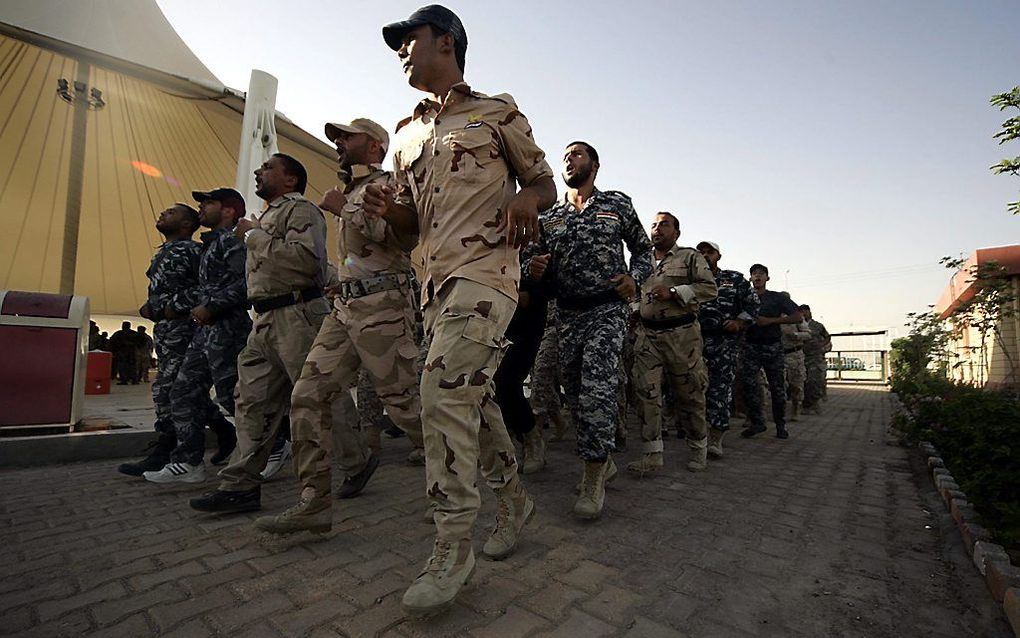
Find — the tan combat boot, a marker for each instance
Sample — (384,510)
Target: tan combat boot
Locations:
(446,572)
(514,508)
(593,490)
(649,462)
(715,438)
(611,472)
(795,416)
(313,513)
(534,451)
(699,455)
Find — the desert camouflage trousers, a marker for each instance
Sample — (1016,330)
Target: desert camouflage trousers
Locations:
(815,383)
(673,357)
(795,376)
(267,369)
(545,375)
(462,424)
(591,343)
(374,333)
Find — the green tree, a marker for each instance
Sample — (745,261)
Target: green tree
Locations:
(1010,131)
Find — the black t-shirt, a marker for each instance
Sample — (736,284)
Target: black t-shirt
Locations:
(773,304)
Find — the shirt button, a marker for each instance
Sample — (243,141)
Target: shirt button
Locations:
(436,189)
(436,152)
(435,224)
(438,121)
(432,258)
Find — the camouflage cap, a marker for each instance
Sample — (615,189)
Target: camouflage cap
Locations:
(359,125)
(434,14)
(712,244)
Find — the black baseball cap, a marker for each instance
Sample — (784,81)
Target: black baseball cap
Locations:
(217,194)
(435,14)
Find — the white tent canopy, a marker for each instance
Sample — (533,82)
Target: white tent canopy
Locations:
(146,124)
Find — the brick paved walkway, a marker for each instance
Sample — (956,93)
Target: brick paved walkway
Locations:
(826,534)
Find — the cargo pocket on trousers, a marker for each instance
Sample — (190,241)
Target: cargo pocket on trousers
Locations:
(482,330)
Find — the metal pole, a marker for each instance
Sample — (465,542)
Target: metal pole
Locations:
(75,179)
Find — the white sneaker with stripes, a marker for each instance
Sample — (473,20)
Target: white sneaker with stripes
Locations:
(277,459)
(177,473)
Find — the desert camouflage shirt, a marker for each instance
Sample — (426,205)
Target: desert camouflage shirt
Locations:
(221,284)
(736,300)
(685,270)
(173,277)
(586,246)
(820,341)
(367,246)
(458,166)
(288,251)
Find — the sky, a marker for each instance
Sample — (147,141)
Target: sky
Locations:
(845,145)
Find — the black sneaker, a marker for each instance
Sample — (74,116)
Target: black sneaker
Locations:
(158,456)
(782,433)
(752,431)
(353,485)
(221,501)
(394,432)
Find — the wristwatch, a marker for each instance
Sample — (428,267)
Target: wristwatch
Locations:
(673,292)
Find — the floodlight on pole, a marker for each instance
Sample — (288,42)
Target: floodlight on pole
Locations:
(258,135)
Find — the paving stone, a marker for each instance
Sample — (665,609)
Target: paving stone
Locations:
(645,628)
(55,608)
(168,616)
(553,600)
(110,611)
(229,620)
(515,623)
(579,623)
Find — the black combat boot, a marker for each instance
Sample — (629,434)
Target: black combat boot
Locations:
(159,455)
(224,502)
(226,438)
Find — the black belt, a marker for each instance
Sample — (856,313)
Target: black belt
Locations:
(587,303)
(668,324)
(354,288)
(282,301)
(791,350)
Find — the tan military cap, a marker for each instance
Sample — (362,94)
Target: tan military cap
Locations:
(359,125)
(714,246)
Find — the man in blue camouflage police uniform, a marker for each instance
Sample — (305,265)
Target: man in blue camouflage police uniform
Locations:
(581,254)
(722,320)
(220,313)
(173,278)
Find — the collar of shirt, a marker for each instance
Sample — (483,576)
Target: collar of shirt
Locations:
(595,192)
(458,92)
(358,173)
(210,236)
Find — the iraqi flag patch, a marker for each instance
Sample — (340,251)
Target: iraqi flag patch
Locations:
(607,215)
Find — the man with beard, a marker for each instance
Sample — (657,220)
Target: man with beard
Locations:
(221,316)
(814,361)
(763,350)
(669,347)
(458,161)
(286,270)
(581,255)
(372,325)
(173,279)
(722,320)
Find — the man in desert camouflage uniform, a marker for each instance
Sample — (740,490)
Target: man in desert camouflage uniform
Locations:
(458,161)
(722,321)
(669,347)
(173,279)
(286,270)
(794,336)
(372,325)
(220,313)
(581,254)
(814,361)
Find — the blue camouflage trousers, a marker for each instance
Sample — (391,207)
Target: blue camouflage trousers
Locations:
(721,358)
(591,344)
(770,357)
(209,362)
(170,338)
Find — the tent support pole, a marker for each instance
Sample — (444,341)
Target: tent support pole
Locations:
(75,177)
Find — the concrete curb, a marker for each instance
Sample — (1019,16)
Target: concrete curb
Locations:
(75,447)
(991,560)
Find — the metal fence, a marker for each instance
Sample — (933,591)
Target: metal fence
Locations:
(857,365)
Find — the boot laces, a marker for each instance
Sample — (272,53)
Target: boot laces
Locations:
(503,511)
(440,554)
(296,509)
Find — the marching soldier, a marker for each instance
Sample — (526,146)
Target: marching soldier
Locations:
(669,347)
(581,253)
(173,280)
(794,336)
(372,325)
(286,270)
(814,361)
(722,320)
(458,161)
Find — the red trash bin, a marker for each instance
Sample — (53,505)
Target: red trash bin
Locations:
(97,373)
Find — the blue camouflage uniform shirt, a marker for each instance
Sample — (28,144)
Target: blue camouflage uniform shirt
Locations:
(586,245)
(736,300)
(173,277)
(221,274)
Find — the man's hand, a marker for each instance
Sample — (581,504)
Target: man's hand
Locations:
(201,315)
(537,266)
(733,325)
(659,293)
(521,221)
(334,201)
(625,287)
(146,311)
(523,299)
(378,200)
(331,292)
(244,225)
